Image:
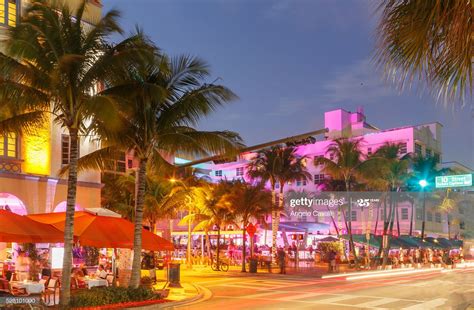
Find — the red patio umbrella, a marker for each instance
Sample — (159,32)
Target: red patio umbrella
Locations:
(21,229)
(104,231)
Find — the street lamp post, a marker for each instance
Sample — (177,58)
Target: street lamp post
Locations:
(423,183)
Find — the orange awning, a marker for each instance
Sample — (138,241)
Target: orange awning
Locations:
(21,229)
(104,231)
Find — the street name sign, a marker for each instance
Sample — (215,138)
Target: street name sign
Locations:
(459,180)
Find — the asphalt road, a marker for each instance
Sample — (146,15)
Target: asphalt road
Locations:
(434,290)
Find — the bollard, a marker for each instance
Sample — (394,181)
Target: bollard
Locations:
(253,265)
(174,275)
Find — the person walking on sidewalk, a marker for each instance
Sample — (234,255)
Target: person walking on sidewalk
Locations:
(281,260)
(332,261)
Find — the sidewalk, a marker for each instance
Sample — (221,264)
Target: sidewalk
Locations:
(189,293)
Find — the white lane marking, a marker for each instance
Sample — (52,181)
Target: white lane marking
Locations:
(430,304)
(378,302)
(295,296)
(336,299)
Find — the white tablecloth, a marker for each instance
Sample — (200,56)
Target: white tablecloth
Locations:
(30,287)
(96,282)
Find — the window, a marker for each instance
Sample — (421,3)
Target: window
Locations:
(404,213)
(418,149)
(130,163)
(218,173)
(9,11)
(277,185)
(369,151)
(66,149)
(9,145)
(331,156)
(429,217)
(403,148)
(462,225)
(318,156)
(300,182)
(429,153)
(353,216)
(239,171)
(438,217)
(318,179)
(120,163)
(419,214)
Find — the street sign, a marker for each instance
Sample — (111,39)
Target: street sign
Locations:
(251,229)
(459,180)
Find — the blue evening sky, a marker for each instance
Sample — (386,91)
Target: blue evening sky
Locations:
(290,61)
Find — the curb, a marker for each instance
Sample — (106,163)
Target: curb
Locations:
(203,294)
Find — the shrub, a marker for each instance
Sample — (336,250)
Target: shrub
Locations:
(99,296)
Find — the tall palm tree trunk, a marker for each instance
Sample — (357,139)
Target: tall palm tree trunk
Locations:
(243,248)
(412,217)
(65,293)
(333,221)
(349,226)
(137,241)
(274,225)
(423,219)
(385,226)
(218,246)
(209,249)
(377,219)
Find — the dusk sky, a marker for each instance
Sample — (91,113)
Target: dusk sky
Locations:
(290,61)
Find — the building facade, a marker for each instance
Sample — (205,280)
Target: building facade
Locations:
(29,164)
(424,139)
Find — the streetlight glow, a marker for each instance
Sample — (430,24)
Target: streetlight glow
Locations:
(423,183)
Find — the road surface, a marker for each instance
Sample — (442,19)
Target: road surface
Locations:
(433,290)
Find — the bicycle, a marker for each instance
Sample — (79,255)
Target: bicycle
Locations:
(219,266)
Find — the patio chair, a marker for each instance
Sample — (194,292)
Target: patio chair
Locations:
(110,279)
(51,289)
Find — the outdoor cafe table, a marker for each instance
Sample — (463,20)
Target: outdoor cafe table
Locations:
(30,286)
(96,282)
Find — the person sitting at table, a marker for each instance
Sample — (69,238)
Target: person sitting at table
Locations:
(83,269)
(101,273)
(22,266)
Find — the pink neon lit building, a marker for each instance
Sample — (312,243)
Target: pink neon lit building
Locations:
(424,139)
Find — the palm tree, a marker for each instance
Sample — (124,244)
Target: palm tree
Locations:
(161,101)
(348,166)
(118,194)
(277,165)
(429,40)
(248,202)
(425,168)
(212,210)
(52,67)
(393,170)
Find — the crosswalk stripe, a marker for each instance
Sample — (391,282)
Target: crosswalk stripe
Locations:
(299,296)
(377,302)
(430,304)
(336,299)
